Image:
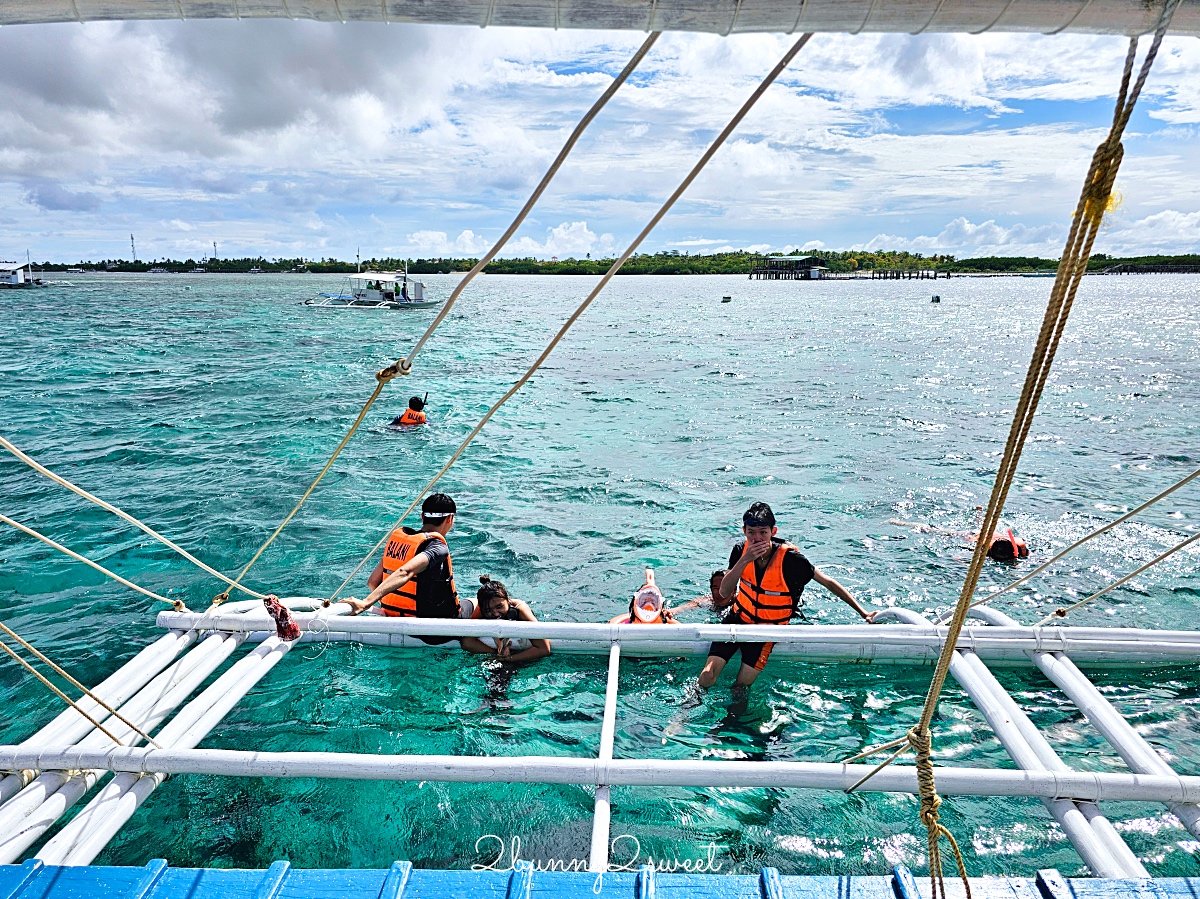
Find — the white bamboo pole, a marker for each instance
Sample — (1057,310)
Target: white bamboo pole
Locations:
(42,787)
(898,643)
(70,725)
(1029,749)
(602,815)
(1115,858)
(1081,785)
(90,831)
(1132,747)
(147,710)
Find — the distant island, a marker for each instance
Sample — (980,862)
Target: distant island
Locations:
(739,262)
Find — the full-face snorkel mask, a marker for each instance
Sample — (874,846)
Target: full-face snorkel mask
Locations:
(648,605)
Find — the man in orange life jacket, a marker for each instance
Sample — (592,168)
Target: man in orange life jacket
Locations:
(415,577)
(413,415)
(762,586)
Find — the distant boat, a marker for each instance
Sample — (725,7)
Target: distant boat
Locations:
(74,271)
(377,290)
(158,271)
(197,271)
(256,270)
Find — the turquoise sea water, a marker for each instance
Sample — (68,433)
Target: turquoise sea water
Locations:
(205,404)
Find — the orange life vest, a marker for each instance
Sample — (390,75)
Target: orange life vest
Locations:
(402,545)
(411,417)
(767,601)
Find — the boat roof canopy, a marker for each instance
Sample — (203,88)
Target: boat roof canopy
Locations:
(378,276)
(713,16)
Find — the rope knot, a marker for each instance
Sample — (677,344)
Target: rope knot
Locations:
(220,598)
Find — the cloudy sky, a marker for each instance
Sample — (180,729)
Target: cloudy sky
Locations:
(287,138)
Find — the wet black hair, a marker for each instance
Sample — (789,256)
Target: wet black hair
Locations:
(490,591)
(1002,550)
(416,403)
(759,515)
(437,507)
(720,572)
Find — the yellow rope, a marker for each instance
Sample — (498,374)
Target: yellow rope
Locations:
(1063,612)
(63,673)
(582,307)
(58,479)
(404,366)
(1089,213)
(63,696)
(177,603)
(1093,535)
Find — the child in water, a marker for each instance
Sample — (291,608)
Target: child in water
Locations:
(648,606)
(495,604)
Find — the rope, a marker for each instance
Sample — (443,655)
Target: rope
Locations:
(41,469)
(63,696)
(61,672)
(404,366)
(177,603)
(1093,535)
(1089,213)
(582,307)
(1063,612)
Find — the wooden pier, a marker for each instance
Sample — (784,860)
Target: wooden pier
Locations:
(1130,268)
(907,274)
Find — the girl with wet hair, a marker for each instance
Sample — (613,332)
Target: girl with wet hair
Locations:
(496,604)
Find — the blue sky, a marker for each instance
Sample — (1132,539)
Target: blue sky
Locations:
(290,139)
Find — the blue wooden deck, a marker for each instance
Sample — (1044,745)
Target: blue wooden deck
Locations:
(157,880)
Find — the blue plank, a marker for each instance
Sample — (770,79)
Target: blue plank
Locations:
(272,881)
(154,873)
(769,884)
(24,876)
(904,884)
(396,880)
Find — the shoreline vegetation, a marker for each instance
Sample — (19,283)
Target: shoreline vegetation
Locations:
(739,262)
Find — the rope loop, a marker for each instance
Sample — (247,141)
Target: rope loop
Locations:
(396,368)
(921,741)
(220,598)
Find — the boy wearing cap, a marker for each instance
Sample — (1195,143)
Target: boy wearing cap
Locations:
(763,585)
(415,577)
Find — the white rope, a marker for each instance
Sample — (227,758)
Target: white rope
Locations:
(43,470)
(177,603)
(1078,543)
(1062,613)
(608,276)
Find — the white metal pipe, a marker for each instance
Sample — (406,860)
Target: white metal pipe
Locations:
(1081,785)
(69,726)
(21,826)
(91,830)
(602,814)
(1132,747)
(1108,855)
(1101,849)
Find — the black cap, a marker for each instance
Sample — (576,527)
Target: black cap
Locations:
(759,515)
(437,506)
(416,404)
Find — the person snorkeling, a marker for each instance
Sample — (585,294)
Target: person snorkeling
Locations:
(648,606)
(763,585)
(495,604)
(1005,545)
(412,416)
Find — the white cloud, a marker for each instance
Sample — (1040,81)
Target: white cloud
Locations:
(438,243)
(570,239)
(965,239)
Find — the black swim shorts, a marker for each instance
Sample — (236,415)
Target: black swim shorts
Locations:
(753,654)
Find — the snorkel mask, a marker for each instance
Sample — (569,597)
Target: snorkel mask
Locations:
(648,605)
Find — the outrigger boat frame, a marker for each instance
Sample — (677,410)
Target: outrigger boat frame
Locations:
(60,763)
